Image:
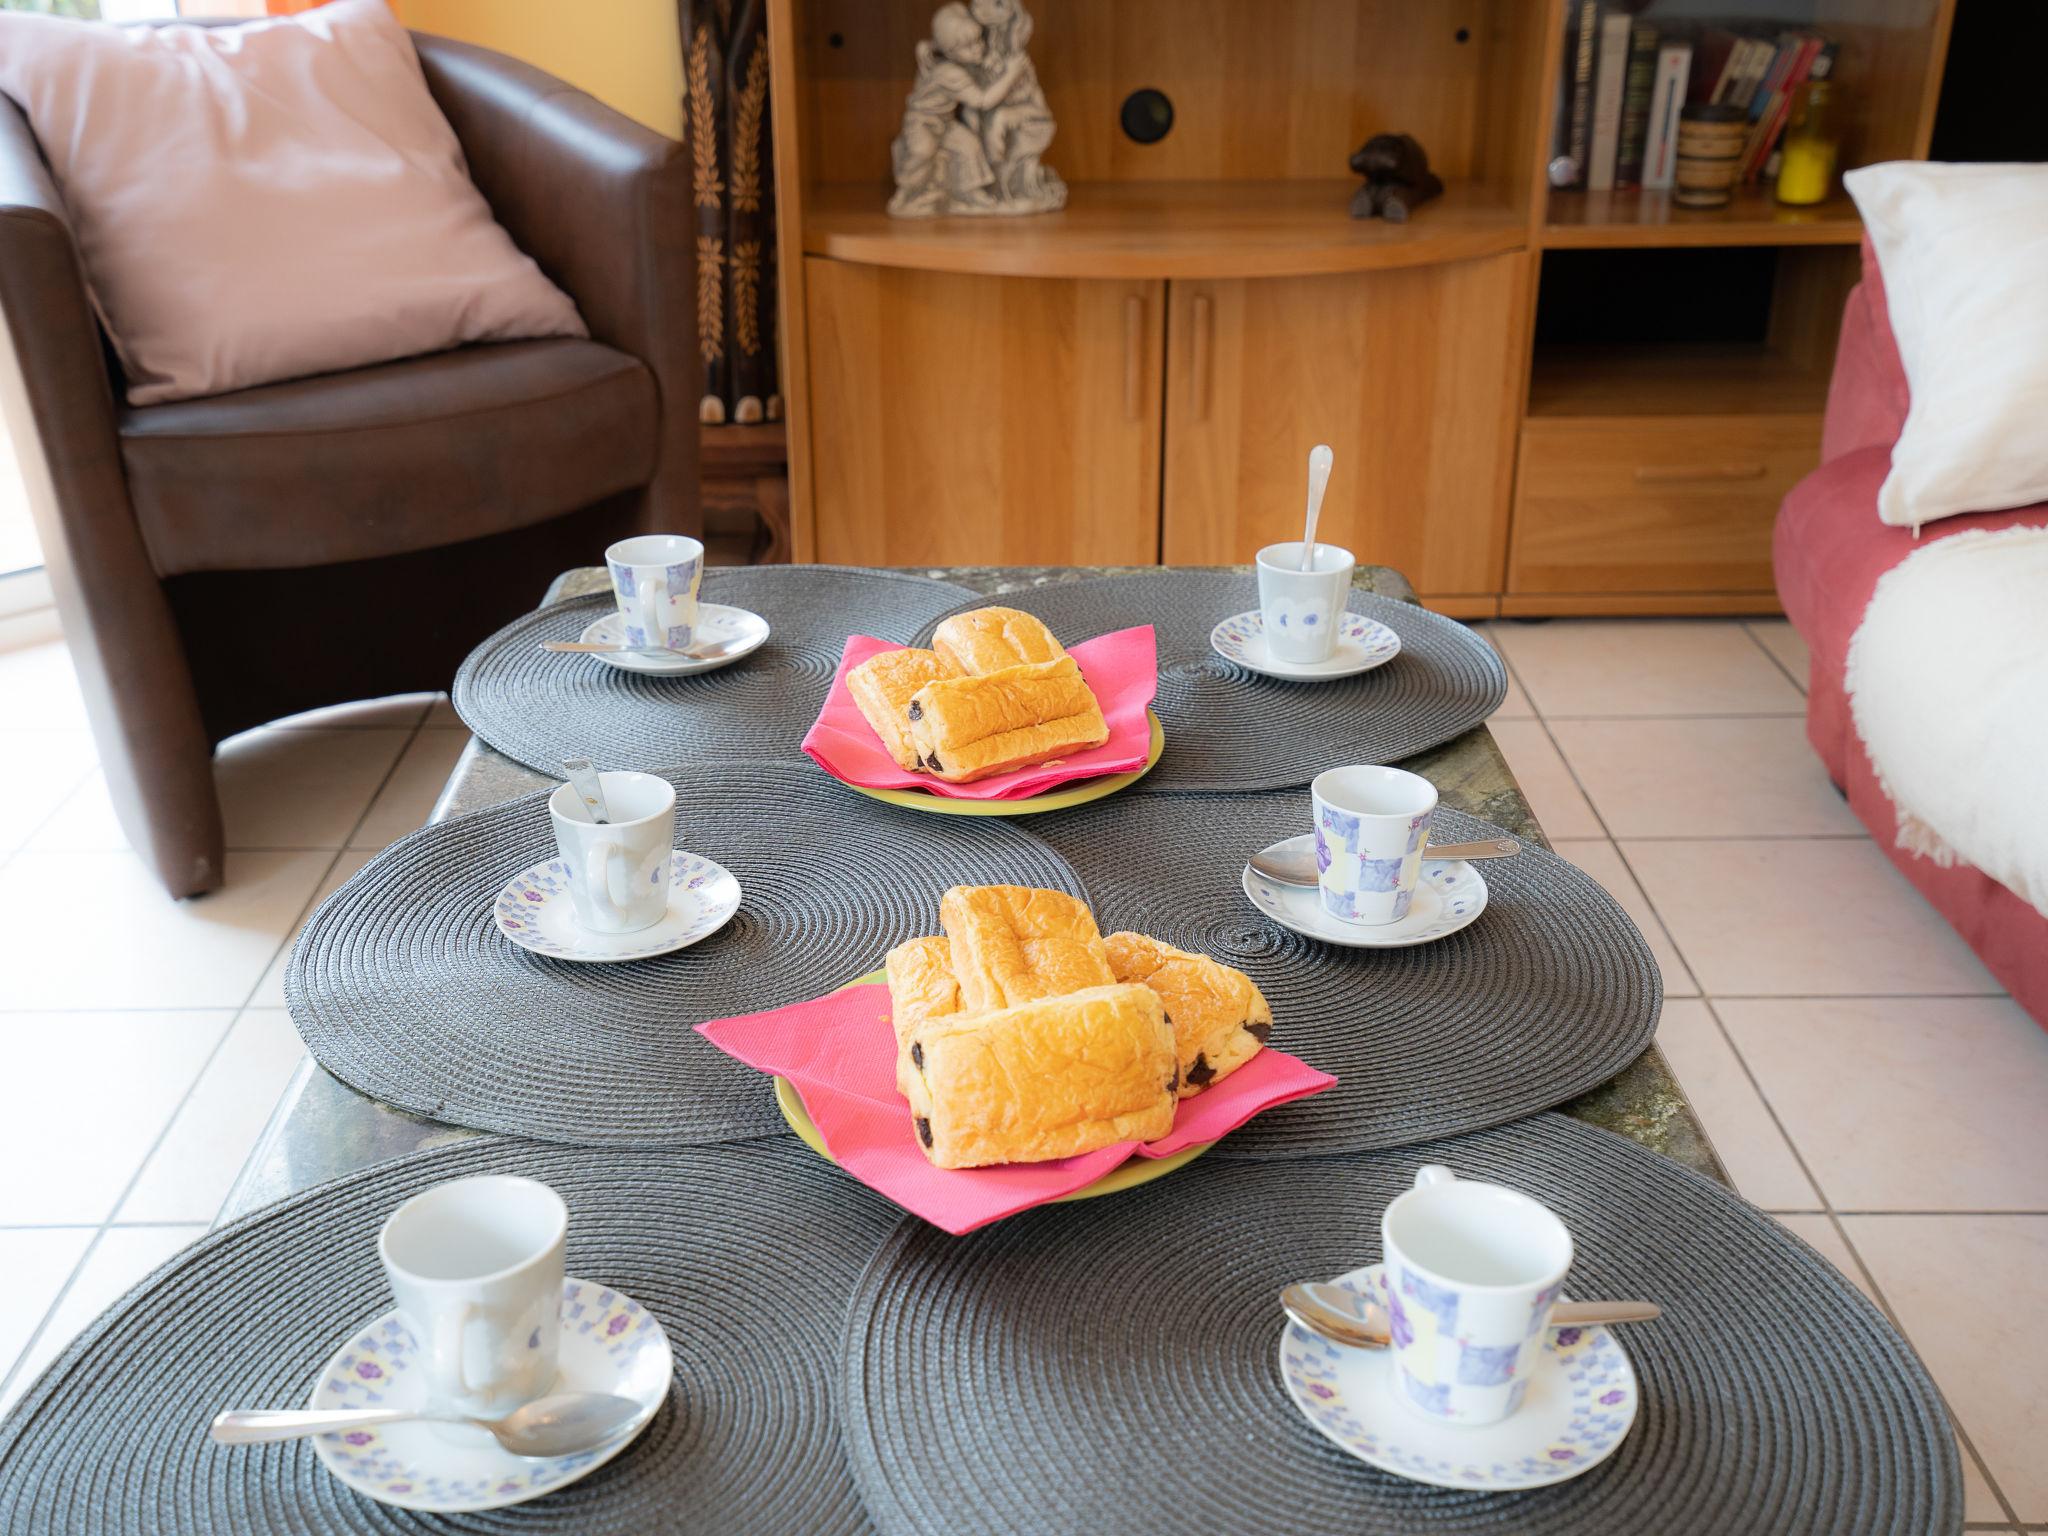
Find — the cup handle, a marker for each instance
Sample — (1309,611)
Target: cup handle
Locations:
(653,599)
(448,1346)
(597,878)
(1432,1173)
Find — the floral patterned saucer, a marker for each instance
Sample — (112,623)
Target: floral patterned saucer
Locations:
(717,623)
(1450,895)
(535,912)
(1582,1400)
(1362,644)
(610,1343)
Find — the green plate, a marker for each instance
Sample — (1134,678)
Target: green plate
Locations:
(1032,805)
(1128,1174)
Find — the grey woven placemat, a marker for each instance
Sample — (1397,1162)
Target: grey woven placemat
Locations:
(1110,1365)
(538,707)
(403,987)
(1550,992)
(1230,729)
(745,1254)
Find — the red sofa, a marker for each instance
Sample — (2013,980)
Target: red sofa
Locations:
(1828,552)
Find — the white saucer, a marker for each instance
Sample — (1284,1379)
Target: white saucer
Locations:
(1582,1399)
(716,624)
(610,1343)
(1450,895)
(535,912)
(1362,644)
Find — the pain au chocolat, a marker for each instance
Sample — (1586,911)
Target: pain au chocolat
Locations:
(1220,1018)
(966,728)
(989,639)
(1012,944)
(882,687)
(1045,1079)
(922,988)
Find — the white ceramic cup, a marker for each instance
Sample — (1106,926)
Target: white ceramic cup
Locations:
(1299,609)
(655,579)
(1472,1272)
(1370,825)
(618,870)
(476,1267)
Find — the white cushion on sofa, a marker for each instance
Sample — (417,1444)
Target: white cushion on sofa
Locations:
(1964,252)
(1948,684)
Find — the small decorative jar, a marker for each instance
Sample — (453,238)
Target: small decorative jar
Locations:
(1710,141)
(1806,164)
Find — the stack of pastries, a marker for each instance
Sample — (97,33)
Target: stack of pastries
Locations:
(996,691)
(1023,1035)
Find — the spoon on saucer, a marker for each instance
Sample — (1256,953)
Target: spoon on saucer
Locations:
(558,1425)
(1293,862)
(1345,1317)
(709,652)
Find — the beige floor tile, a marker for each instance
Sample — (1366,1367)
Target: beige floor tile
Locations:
(35,1264)
(400,712)
(40,687)
(1801,918)
(1979,1502)
(278,789)
(1645,667)
(1968,1291)
(442,714)
(1740,1127)
(109,1084)
(1545,780)
(193,1167)
(121,1258)
(1969,1075)
(1753,777)
(39,770)
(1819,1233)
(270,990)
(1600,859)
(104,934)
(1784,643)
(415,784)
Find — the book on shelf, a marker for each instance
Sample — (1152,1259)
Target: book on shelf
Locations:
(1575,122)
(1638,85)
(1667,100)
(1807,55)
(1609,73)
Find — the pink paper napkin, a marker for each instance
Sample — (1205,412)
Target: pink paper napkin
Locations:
(840,1052)
(1122,668)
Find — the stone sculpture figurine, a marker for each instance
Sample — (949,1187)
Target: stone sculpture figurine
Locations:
(976,121)
(1397,178)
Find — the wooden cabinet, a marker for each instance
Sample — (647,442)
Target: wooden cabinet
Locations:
(977,420)
(1411,375)
(1649,504)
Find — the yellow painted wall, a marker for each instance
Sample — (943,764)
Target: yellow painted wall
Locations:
(624,52)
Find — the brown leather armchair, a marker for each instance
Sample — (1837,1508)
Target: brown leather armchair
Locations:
(224,561)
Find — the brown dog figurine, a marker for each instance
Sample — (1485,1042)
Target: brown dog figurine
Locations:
(1397,178)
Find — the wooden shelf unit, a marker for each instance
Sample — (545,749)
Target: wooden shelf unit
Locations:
(1140,376)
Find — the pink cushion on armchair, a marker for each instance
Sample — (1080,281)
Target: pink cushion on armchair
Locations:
(260,202)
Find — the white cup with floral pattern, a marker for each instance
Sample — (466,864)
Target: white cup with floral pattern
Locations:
(655,579)
(1299,610)
(1370,827)
(1472,1272)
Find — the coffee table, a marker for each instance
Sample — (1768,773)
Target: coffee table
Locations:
(322,1129)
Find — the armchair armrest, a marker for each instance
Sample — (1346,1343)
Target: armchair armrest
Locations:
(603,205)
(59,404)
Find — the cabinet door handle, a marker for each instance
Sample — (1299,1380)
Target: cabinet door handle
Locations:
(1674,474)
(1134,357)
(1199,363)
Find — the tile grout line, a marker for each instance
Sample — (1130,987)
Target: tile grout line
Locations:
(239,1011)
(1967,1446)
(1772,656)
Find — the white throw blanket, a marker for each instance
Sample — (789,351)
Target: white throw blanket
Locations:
(1948,683)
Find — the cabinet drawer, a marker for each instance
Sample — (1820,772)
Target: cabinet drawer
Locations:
(1653,504)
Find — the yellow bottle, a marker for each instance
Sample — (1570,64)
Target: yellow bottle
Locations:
(1806,164)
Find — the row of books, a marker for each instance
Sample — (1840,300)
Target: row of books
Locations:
(1627,78)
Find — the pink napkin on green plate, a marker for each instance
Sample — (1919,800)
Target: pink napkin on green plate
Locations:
(1122,668)
(840,1053)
